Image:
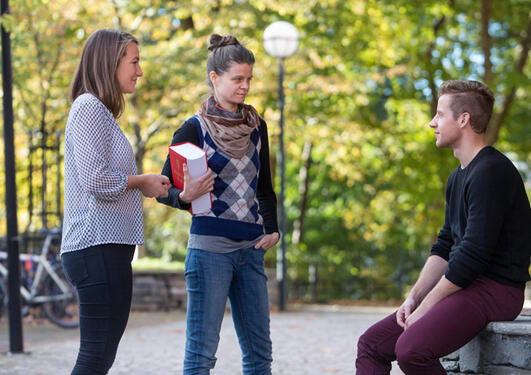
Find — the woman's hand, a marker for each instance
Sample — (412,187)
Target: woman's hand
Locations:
(268,241)
(195,187)
(150,185)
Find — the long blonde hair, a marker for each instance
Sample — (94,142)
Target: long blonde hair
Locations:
(96,72)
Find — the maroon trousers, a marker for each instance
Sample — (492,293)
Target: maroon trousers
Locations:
(449,325)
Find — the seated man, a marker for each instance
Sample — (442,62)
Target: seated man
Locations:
(477,269)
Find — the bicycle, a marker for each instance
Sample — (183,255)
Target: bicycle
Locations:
(44,284)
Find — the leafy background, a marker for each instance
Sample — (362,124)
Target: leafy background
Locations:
(365,201)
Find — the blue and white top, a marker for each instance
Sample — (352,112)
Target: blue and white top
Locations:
(98,207)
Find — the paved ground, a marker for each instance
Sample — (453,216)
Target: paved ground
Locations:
(306,341)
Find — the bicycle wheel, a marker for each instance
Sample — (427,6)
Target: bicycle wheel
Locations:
(4,299)
(63,312)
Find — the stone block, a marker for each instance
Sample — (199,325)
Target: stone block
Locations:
(164,290)
(502,348)
(506,350)
(505,370)
(470,356)
(450,365)
(452,356)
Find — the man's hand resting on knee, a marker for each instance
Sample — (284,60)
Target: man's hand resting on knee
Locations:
(405,310)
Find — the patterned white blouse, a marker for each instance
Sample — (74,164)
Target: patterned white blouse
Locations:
(98,209)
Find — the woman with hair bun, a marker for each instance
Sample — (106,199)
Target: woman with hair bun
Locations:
(227,244)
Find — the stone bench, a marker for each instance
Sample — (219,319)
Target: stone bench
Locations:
(502,348)
(166,290)
(158,290)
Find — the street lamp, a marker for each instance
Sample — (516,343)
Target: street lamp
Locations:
(16,344)
(281,40)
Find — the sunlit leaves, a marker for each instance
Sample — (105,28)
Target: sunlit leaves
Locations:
(359,87)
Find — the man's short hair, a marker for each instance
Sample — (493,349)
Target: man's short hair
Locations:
(472,97)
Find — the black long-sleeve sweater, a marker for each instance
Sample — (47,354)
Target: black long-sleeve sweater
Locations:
(487,223)
(265,194)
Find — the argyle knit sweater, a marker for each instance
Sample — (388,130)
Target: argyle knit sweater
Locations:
(243,200)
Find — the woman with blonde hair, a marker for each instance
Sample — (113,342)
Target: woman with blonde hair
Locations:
(102,204)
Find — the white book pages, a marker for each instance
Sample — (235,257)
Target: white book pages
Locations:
(197,166)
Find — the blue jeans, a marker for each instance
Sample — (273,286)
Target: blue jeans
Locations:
(104,281)
(210,279)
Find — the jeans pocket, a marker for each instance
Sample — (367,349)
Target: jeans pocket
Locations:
(75,268)
(257,257)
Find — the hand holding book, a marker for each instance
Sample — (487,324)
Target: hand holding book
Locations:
(191,174)
(195,187)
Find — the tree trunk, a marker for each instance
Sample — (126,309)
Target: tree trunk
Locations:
(486,40)
(298,224)
(297,236)
(431,70)
(497,121)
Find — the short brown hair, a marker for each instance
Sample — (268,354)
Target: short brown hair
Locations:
(96,72)
(472,97)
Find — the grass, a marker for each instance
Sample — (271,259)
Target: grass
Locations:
(157,264)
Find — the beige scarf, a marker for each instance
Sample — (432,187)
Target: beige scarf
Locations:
(230,131)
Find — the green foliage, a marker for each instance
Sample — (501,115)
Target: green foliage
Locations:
(361,87)
(156,264)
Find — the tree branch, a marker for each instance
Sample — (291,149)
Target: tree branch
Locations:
(496,123)
(142,140)
(486,39)
(117,19)
(431,74)
(26,104)
(298,224)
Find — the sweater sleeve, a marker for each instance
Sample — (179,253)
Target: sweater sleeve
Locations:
(91,137)
(444,243)
(186,133)
(267,200)
(488,192)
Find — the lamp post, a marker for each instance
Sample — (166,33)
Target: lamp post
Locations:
(16,344)
(281,40)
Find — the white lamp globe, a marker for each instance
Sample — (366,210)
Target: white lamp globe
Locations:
(281,39)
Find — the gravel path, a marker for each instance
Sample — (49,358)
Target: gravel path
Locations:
(306,341)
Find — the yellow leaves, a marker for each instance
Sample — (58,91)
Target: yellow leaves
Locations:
(358,8)
(182,12)
(316,59)
(396,70)
(8,21)
(202,22)
(367,236)
(375,13)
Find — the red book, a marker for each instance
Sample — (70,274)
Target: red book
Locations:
(196,161)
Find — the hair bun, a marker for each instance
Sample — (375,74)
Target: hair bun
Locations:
(218,41)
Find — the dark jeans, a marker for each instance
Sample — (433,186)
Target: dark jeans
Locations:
(449,325)
(103,278)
